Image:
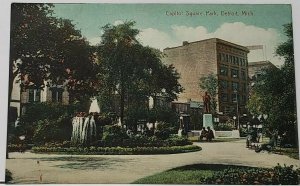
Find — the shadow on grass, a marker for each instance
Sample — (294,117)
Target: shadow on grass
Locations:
(83,163)
(212,167)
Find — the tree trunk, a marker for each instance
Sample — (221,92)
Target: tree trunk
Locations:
(122,104)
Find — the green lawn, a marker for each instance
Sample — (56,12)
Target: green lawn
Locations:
(190,174)
(291,152)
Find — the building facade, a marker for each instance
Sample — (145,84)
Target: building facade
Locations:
(255,69)
(226,60)
(21,97)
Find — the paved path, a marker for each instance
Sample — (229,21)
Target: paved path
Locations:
(128,168)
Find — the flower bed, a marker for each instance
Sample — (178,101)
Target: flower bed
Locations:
(117,150)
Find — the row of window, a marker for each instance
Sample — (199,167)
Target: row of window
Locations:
(234,60)
(234,73)
(35,95)
(226,98)
(224,85)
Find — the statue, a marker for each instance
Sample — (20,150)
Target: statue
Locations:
(206,101)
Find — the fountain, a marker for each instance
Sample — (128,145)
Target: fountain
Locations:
(84,126)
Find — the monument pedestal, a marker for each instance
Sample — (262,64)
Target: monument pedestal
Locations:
(208,121)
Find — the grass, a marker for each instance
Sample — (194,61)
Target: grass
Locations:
(290,152)
(190,174)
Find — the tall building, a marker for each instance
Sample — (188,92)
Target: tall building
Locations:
(226,60)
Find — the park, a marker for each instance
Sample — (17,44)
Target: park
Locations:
(111,113)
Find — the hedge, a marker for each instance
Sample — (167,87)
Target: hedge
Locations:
(278,175)
(117,150)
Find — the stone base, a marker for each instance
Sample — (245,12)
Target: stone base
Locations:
(208,121)
(235,134)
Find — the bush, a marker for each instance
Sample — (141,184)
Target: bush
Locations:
(17,147)
(44,122)
(163,130)
(277,176)
(117,150)
(55,130)
(8,176)
(144,141)
(113,135)
(223,127)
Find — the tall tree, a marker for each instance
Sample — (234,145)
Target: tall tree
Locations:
(131,70)
(44,47)
(275,93)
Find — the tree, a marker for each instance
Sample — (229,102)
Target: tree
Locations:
(131,71)
(209,83)
(46,48)
(275,94)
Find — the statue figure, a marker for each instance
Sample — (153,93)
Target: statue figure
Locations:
(206,101)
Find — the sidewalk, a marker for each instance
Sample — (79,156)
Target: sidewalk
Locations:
(128,168)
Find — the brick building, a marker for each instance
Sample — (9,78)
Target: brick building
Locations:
(228,61)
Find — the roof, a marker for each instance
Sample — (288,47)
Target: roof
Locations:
(261,63)
(217,40)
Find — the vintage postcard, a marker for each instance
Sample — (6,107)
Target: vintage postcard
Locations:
(152,94)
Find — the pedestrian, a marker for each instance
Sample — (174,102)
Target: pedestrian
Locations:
(203,133)
(210,134)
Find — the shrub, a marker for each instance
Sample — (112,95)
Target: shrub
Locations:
(43,122)
(17,147)
(118,150)
(163,130)
(223,127)
(8,176)
(248,176)
(113,135)
(56,130)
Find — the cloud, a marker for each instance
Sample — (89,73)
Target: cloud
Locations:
(94,41)
(236,32)
(155,38)
(118,22)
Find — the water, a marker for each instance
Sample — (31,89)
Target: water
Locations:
(94,108)
(84,130)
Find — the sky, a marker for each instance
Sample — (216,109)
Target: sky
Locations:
(168,25)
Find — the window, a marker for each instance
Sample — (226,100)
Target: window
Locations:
(243,100)
(34,95)
(223,71)
(57,94)
(243,74)
(223,85)
(233,97)
(244,87)
(234,73)
(224,97)
(227,58)
(230,59)
(235,86)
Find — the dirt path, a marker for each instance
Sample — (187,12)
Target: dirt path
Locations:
(128,168)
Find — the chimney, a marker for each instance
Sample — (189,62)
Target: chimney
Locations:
(185,43)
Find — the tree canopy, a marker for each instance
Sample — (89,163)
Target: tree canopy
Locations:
(132,71)
(275,94)
(44,47)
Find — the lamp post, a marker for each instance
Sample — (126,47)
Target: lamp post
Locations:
(237,108)
(234,118)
